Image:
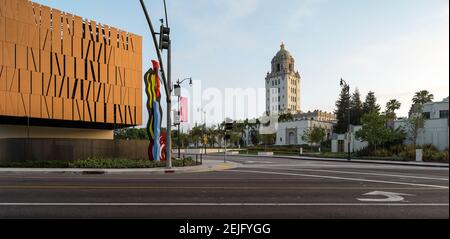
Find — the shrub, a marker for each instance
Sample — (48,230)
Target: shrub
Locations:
(95,162)
(364,152)
(435,156)
(428,147)
(408,154)
(381,153)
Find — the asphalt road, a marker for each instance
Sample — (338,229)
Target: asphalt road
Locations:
(260,188)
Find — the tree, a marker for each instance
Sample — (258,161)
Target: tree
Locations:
(356,108)
(413,126)
(220,133)
(370,105)
(285,117)
(196,134)
(315,135)
(342,106)
(268,139)
(211,134)
(422,97)
(395,136)
(235,139)
(131,134)
(391,107)
(239,129)
(374,130)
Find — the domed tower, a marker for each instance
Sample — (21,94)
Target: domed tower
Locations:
(283,84)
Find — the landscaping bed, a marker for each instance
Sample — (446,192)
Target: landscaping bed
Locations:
(98,163)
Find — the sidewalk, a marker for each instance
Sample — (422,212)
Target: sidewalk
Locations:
(403,163)
(207,166)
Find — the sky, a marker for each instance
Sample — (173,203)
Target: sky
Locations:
(391,47)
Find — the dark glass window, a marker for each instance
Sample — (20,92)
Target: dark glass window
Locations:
(427,115)
(278,67)
(443,114)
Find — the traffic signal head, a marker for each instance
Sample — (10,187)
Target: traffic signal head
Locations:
(164,38)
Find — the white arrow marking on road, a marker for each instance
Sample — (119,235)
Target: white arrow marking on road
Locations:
(390,197)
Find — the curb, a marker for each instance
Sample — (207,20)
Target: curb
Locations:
(192,169)
(442,165)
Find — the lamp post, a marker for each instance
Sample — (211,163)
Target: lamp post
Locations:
(204,127)
(349,155)
(178,85)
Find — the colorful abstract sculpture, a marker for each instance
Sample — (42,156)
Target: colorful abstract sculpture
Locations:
(152,89)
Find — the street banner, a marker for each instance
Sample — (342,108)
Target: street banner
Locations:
(184,109)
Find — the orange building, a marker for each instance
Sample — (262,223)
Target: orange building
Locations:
(64,76)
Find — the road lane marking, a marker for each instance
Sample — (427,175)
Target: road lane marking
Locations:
(222,204)
(342,178)
(389,197)
(357,173)
(20,187)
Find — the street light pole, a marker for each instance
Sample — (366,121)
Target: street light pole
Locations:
(204,132)
(201,110)
(169,108)
(349,154)
(179,110)
(166,81)
(179,123)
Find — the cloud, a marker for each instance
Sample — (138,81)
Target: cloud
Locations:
(402,65)
(302,10)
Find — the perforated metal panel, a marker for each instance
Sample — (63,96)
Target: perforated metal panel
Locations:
(54,65)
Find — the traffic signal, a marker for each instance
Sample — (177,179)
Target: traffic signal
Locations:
(164,38)
(228,126)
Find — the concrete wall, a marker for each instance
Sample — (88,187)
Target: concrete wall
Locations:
(435,132)
(14,131)
(70,149)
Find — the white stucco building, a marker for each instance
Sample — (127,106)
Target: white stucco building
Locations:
(283,84)
(435,131)
(339,143)
(291,133)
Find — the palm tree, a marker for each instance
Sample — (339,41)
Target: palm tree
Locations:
(391,107)
(211,135)
(422,97)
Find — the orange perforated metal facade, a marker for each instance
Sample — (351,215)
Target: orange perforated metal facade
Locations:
(58,67)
